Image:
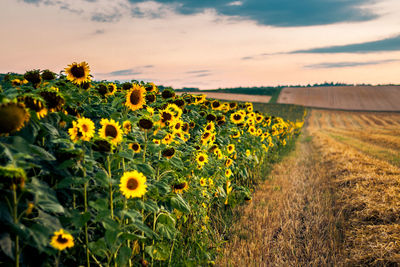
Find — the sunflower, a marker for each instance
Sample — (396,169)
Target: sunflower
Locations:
(34,77)
(168,139)
(176,126)
(232,105)
(62,240)
(13,117)
(127,126)
(48,75)
(237,118)
(135,98)
(151,87)
(145,124)
(34,103)
(150,98)
(54,99)
(74,132)
(111,89)
(12,176)
(211,117)
(259,132)
(127,86)
(201,159)
(228,173)
(248,153)
(168,152)
(111,130)
(228,162)
(210,127)
(203,182)
(259,118)
(16,82)
(167,117)
(252,130)
(168,93)
(216,105)
(177,111)
(236,134)
(101,145)
(135,147)
(78,73)
(231,148)
(179,188)
(86,128)
(133,184)
(185,127)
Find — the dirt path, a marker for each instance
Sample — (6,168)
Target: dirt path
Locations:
(290,221)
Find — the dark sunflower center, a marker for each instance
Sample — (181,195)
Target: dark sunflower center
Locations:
(135,146)
(110,88)
(185,127)
(201,158)
(78,72)
(150,98)
(85,128)
(166,116)
(135,97)
(211,117)
(111,131)
(237,117)
(149,88)
(206,135)
(169,152)
(208,127)
(145,124)
(179,102)
(177,126)
(179,186)
(61,240)
(232,105)
(215,104)
(132,184)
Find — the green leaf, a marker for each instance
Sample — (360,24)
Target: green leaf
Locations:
(177,163)
(111,237)
(40,152)
(79,219)
(158,252)
(148,205)
(99,204)
(6,245)
(123,257)
(101,178)
(99,248)
(146,169)
(166,226)
(177,202)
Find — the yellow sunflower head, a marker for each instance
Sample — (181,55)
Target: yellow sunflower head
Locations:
(237,118)
(228,162)
(13,117)
(133,184)
(74,132)
(151,87)
(216,105)
(201,159)
(127,125)
(210,127)
(135,98)
(231,148)
(78,73)
(62,240)
(179,188)
(203,182)
(86,128)
(135,147)
(111,130)
(228,173)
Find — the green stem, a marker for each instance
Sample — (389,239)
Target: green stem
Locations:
(86,224)
(110,187)
(170,254)
(15,217)
(145,146)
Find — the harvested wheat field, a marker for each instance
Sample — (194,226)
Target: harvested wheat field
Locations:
(379,98)
(334,202)
(233,97)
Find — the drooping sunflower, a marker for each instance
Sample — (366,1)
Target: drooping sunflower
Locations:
(201,159)
(230,148)
(78,73)
(48,75)
(111,130)
(86,128)
(168,93)
(12,176)
(135,147)
(210,127)
(179,188)
(133,184)
(62,240)
(237,118)
(135,98)
(54,99)
(111,89)
(34,103)
(145,124)
(13,117)
(228,162)
(150,98)
(151,87)
(168,152)
(34,77)
(127,126)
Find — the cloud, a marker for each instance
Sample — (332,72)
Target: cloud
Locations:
(203,75)
(197,71)
(99,31)
(126,72)
(103,17)
(282,13)
(332,65)
(388,44)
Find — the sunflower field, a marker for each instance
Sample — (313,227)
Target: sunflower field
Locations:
(123,174)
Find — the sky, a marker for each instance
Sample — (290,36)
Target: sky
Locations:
(206,43)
